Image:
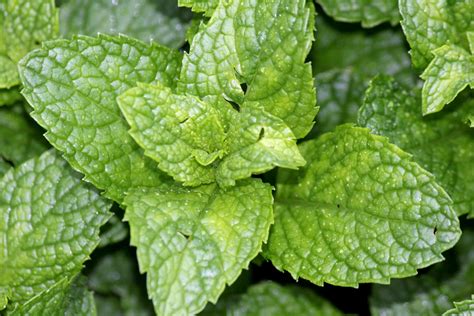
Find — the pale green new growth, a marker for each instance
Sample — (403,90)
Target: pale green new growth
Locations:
(72,86)
(253,52)
(65,298)
(194,241)
(464,308)
(200,142)
(141,19)
(49,226)
(369,12)
(360,211)
(440,143)
(451,70)
(269,298)
(430,24)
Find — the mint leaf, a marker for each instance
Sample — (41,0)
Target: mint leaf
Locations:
(73,98)
(369,13)
(200,142)
(63,298)
(194,241)
(205,6)
(8,73)
(440,144)
(4,167)
(113,232)
(449,20)
(269,298)
(431,293)
(450,71)
(264,47)
(49,226)
(462,308)
(19,139)
(182,133)
(360,211)
(142,19)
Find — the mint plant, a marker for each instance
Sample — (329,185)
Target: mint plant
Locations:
(186,141)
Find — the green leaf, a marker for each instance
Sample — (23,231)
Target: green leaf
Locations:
(433,292)
(205,6)
(116,275)
(49,226)
(451,70)
(64,298)
(142,19)
(269,298)
(72,86)
(112,232)
(198,142)
(9,96)
(264,47)
(370,13)
(8,73)
(462,308)
(194,241)
(429,24)
(4,167)
(441,144)
(366,52)
(360,211)
(19,140)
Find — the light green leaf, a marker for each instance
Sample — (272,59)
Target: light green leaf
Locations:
(49,226)
(9,96)
(116,275)
(253,52)
(462,308)
(441,144)
(370,13)
(429,24)
(72,86)
(205,6)
(200,142)
(26,24)
(192,242)
(182,133)
(451,70)
(365,52)
(360,211)
(269,298)
(112,232)
(8,73)
(433,292)
(65,298)
(142,19)
(19,139)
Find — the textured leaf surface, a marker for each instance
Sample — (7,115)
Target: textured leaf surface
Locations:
(8,73)
(192,242)
(269,298)
(433,292)
(366,52)
(49,225)
(62,299)
(441,144)
(262,45)
(72,86)
(26,24)
(19,139)
(368,12)
(462,308)
(200,142)
(113,232)
(451,70)
(142,19)
(360,211)
(429,24)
